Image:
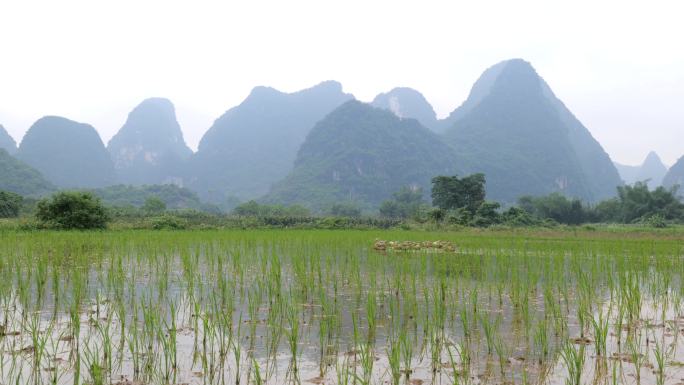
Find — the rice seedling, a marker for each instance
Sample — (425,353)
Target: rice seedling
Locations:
(573,358)
(268,307)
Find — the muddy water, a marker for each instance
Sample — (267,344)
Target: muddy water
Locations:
(40,347)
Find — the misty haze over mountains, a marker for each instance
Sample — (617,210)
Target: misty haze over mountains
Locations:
(319,146)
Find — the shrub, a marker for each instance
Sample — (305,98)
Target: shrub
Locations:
(169,222)
(656,221)
(72,210)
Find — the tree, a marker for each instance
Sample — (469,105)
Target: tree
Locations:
(349,210)
(450,192)
(557,207)
(638,202)
(487,214)
(391,209)
(10,204)
(515,216)
(406,203)
(154,205)
(254,209)
(249,209)
(73,210)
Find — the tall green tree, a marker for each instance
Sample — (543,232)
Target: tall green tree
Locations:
(556,206)
(638,202)
(405,203)
(452,192)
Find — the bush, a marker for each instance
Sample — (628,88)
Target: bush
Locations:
(10,204)
(515,216)
(436,215)
(169,222)
(72,210)
(656,221)
(487,214)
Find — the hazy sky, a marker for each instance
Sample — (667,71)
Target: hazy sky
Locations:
(618,65)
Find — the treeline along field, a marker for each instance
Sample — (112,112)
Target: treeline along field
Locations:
(272,307)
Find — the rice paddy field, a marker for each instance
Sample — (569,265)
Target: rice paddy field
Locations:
(340,307)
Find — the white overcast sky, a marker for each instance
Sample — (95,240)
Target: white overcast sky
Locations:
(618,65)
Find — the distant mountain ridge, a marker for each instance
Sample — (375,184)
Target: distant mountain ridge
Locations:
(363,154)
(675,175)
(513,129)
(20,178)
(652,169)
(67,153)
(408,103)
(7,142)
(254,144)
(149,148)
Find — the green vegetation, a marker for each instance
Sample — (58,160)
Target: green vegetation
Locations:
(154,205)
(634,204)
(72,210)
(172,196)
(345,209)
(254,209)
(451,193)
(10,204)
(405,203)
(271,307)
(362,154)
(20,178)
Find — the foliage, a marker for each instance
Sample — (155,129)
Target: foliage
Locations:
(637,202)
(173,196)
(634,204)
(10,204)
(487,214)
(346,209)
(450,192)
(557,207)
(72,210)
(169,222)
(406,203)
(515,216)
(362,154)
(154,205)
(254,209)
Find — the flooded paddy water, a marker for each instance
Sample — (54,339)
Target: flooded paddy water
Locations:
(332,307)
